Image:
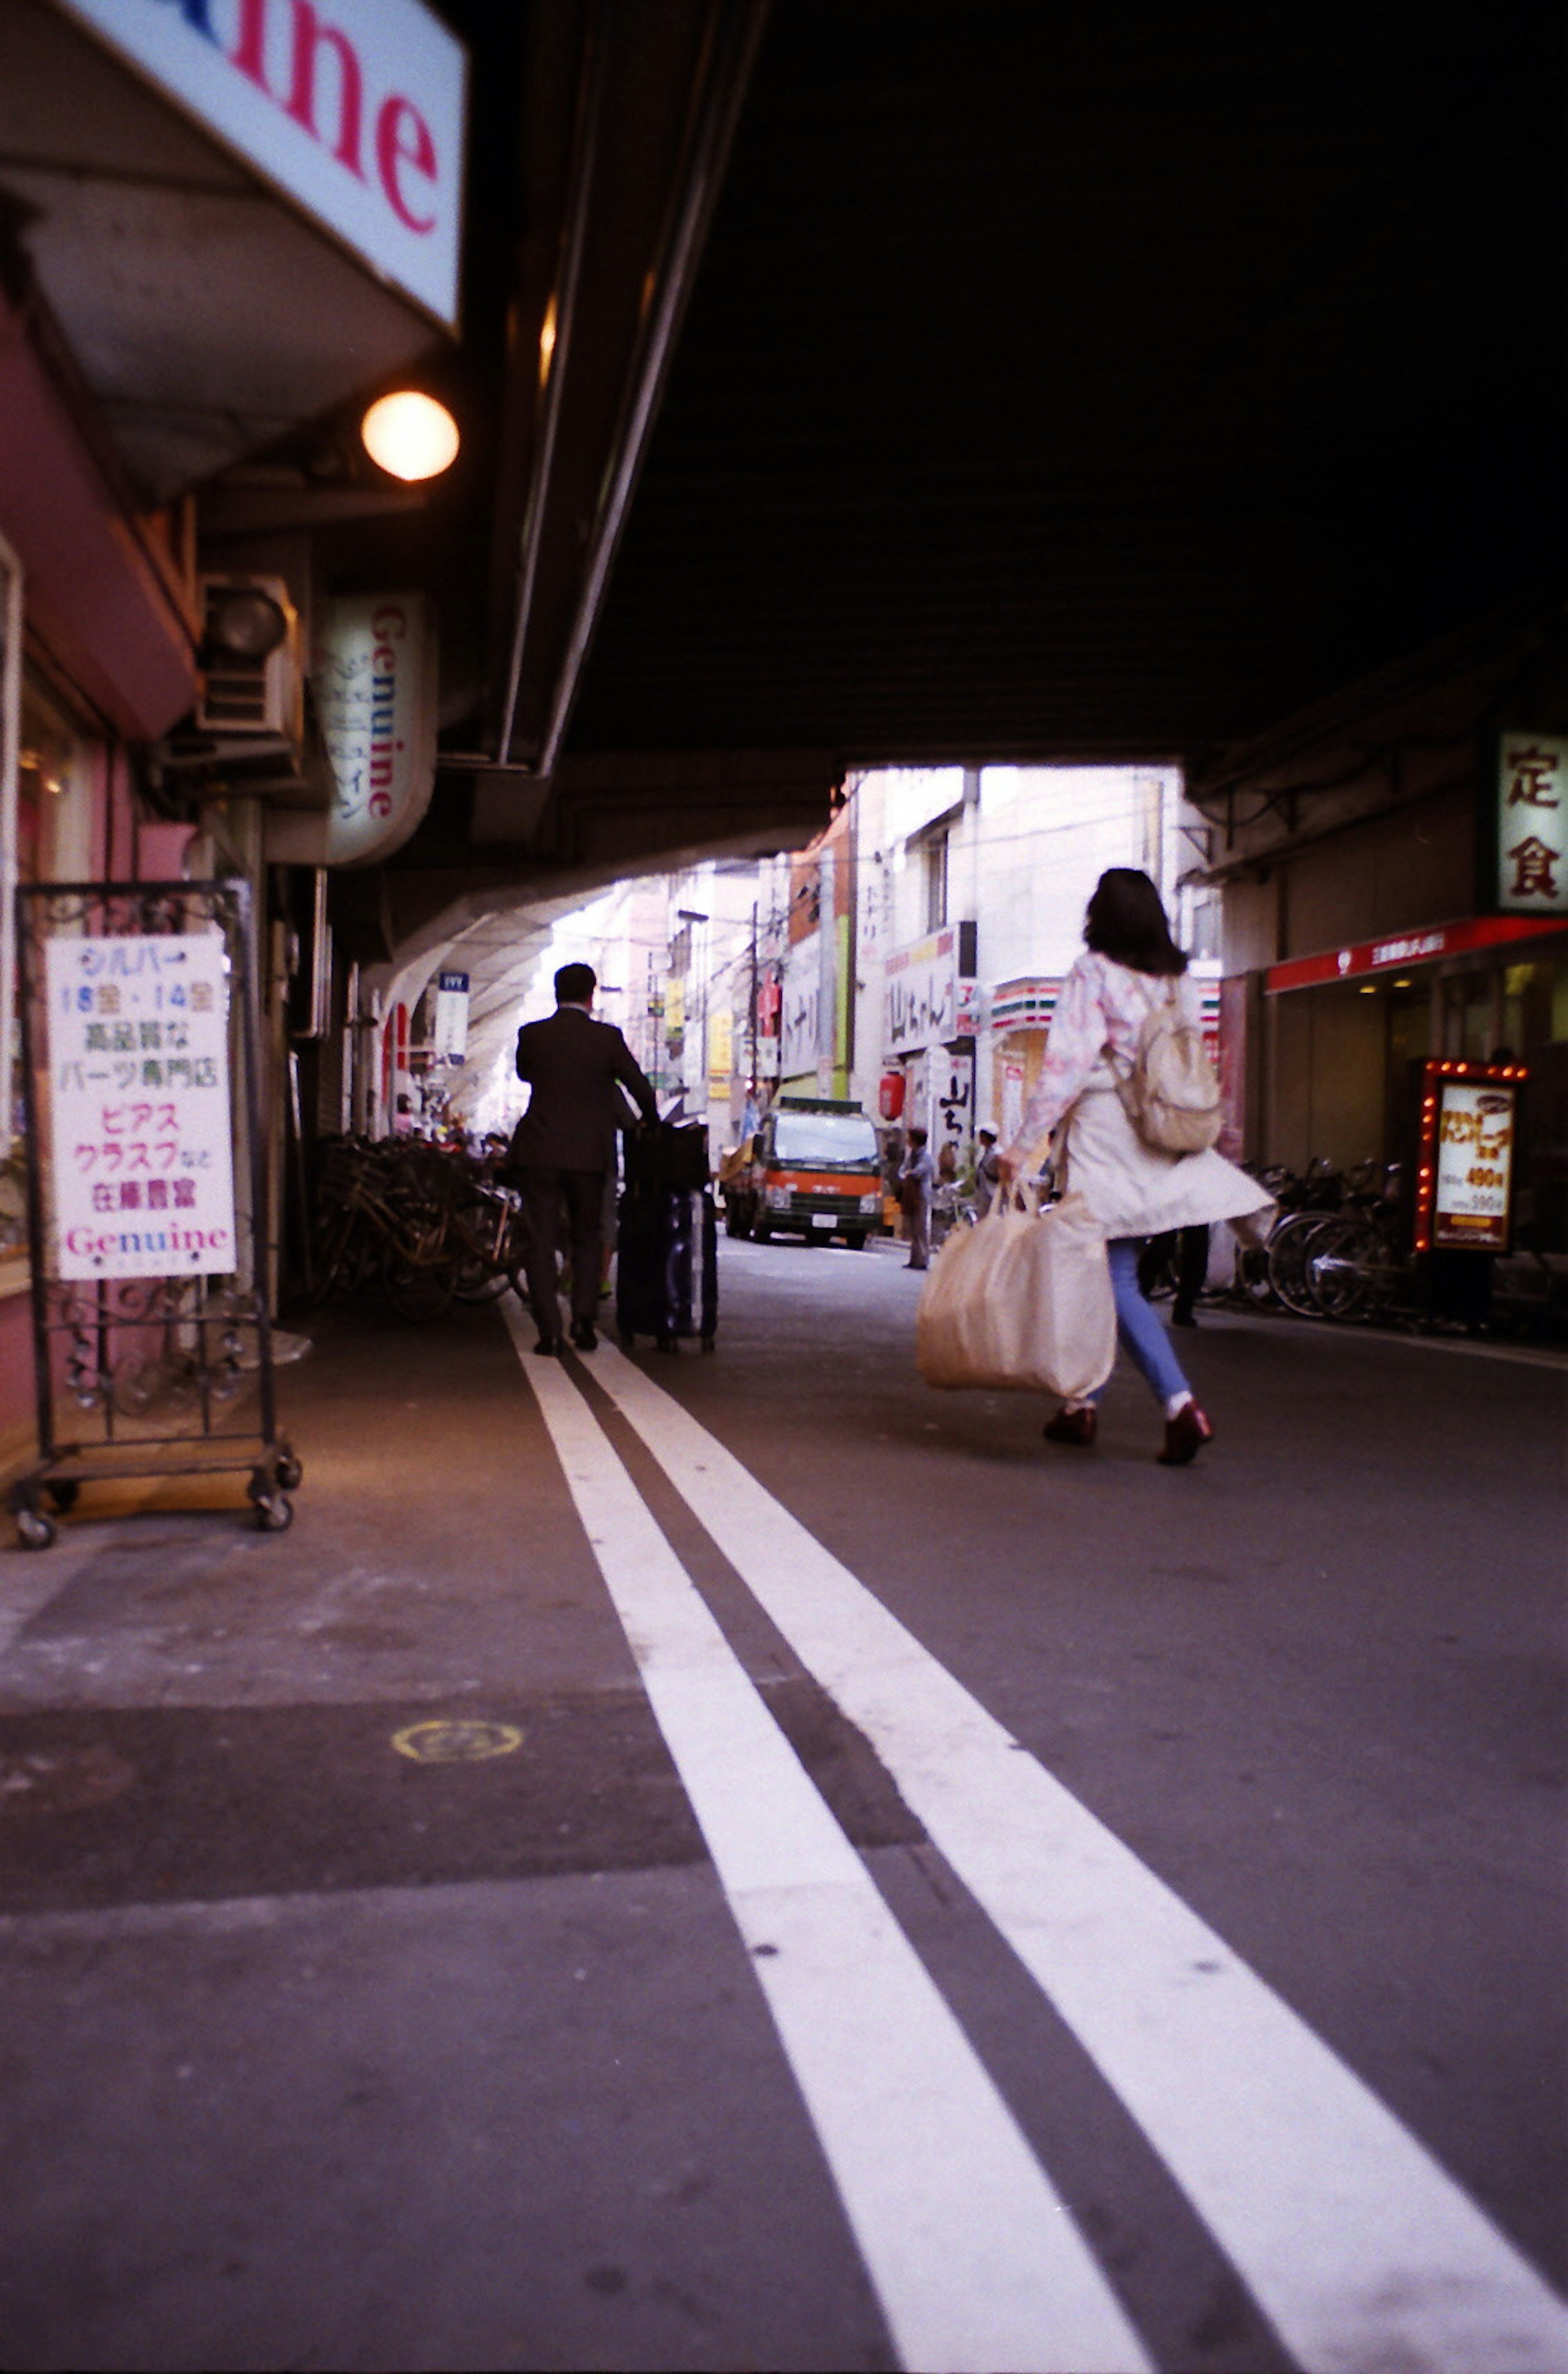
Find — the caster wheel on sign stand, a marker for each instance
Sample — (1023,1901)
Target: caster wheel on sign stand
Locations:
(65,1495)
(34,1530)
(290,1474)
(275,1513)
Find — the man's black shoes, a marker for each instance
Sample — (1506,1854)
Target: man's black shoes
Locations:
(585,1338)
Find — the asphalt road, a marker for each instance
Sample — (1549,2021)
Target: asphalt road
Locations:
(748,1862)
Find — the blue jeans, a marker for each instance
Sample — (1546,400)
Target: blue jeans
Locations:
(1139,1326)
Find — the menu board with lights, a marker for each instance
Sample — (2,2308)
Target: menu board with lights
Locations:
(1465,1166)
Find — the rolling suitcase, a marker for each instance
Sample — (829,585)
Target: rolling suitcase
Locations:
(666,1281)
(667,1154)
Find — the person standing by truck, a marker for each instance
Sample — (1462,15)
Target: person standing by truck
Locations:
(916,1175)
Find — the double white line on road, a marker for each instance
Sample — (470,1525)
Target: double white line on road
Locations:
(1355,2244)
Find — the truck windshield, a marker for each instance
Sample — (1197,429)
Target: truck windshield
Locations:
(841,1140)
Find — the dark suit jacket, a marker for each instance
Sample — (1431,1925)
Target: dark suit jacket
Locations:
(573,1064)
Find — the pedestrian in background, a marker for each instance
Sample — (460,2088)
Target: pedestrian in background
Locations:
(1133,1191)
(916,1173)
(562,1150)
(987,1173)
(1184,1253)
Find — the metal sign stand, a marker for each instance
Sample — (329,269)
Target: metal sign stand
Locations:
(154,1358)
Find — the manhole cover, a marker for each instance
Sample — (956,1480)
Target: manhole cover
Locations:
(456,1743)
(60,1780)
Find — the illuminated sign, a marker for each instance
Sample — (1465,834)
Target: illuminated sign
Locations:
(1465,1169)
(354,109)
(1474,932)
(1532,825)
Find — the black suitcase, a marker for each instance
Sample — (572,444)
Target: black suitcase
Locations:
(667,1154)
(666,1277)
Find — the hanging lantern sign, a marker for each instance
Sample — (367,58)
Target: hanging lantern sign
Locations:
(375,681)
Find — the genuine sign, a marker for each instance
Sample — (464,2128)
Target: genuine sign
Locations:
(375,688)
(355,109)
(141,1152)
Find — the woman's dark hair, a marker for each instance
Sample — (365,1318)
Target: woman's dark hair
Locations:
(1125,921)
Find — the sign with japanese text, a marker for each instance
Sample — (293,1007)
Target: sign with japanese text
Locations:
(1468,1127)
(921,992)
(1532,825)
(1405,949)
(357,113)
(375,691)
(141,1144)
(449,1035)
(800,1012)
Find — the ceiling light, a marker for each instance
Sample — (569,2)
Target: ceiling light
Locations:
(410,435)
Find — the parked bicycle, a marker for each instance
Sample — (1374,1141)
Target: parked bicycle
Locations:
(425,1225)
(1336,1249)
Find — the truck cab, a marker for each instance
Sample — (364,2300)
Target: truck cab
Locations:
(813,1171)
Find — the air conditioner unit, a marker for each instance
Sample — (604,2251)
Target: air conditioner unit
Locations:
(252,673)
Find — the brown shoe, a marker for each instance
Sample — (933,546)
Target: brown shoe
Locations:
(1075,1426)
(1186,1435)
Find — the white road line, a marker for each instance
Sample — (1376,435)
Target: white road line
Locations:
(1356,2244)
(973,2259)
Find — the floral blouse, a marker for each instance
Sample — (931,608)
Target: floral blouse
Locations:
(1102,1005)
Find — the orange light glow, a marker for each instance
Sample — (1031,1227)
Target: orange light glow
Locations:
(411,435)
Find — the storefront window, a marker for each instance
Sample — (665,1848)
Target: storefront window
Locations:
(53,795)
(10,717)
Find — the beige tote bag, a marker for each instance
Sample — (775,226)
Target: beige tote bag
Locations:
(1020,1304)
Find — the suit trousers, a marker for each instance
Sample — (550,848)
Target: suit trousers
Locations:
(564,1207)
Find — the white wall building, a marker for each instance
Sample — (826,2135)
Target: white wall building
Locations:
(972,885)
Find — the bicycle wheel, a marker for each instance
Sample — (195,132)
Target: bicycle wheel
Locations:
(515,1254)
(417,1274)
(475,1282)
(1288,1250)
(1339,1263)
(1252,1276)
(480,1274)
(337,1256)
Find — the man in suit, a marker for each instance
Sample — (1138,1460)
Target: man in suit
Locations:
(564,1148)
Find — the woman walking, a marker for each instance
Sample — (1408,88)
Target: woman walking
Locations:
(1133,1191)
